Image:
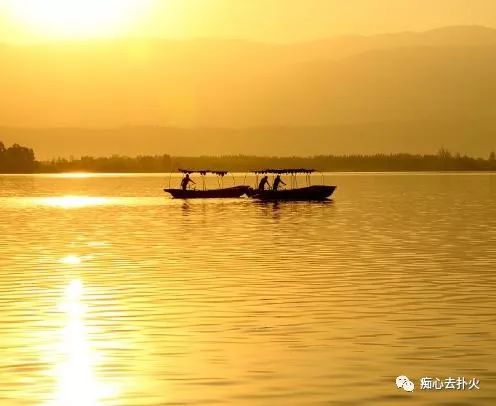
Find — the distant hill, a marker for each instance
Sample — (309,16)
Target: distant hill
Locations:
(411,92)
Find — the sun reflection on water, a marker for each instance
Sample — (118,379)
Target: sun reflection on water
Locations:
(73,202)
(71,260)
(78,384)
(75,175)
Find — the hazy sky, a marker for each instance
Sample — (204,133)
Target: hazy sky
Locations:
(266,20)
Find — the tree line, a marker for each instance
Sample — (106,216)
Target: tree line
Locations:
(18,159)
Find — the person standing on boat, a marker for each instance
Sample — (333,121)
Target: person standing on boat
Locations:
(277,182)
(185,182)
(263,182)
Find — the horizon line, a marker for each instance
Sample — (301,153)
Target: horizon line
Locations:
(69,41)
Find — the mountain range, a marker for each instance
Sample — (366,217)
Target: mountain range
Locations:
(405,92)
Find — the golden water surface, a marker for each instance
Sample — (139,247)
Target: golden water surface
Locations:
(111,293)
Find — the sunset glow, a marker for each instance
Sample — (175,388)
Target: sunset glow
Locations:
(76,18)
(235,202)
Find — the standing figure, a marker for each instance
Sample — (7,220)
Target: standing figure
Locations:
(277,182)
(185,182)
(263,182)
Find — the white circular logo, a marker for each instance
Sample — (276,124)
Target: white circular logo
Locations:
(403,382)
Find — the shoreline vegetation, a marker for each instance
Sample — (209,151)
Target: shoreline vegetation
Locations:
(18,160)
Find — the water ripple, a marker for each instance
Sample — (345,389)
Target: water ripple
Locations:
(112,294)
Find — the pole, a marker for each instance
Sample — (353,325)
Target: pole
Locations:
(170,173)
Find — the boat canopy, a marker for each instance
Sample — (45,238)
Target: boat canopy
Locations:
(284,171)
(203,172)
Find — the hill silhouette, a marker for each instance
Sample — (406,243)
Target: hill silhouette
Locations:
(350,94)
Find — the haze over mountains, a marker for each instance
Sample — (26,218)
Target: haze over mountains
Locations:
(407,92)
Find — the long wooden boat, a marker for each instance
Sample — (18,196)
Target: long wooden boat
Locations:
(231,192)
(293,192)
(305,193)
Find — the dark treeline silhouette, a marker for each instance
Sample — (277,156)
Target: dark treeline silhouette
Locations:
(443,161)
(114,163)
(17,159)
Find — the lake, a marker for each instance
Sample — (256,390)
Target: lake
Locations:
(114,294)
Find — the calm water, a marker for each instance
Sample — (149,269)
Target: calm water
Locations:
(113,294)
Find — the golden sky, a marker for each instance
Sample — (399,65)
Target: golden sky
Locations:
(263,20)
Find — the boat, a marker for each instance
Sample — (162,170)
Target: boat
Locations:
(305,193)
(231,192)
(204,193)
(309,192)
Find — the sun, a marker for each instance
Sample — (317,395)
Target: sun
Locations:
(68,19)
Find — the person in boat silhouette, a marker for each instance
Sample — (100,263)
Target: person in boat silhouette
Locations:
(186,181)
(277,182)
(263,182)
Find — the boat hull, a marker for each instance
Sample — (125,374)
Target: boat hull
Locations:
(232,192)
(306,193)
